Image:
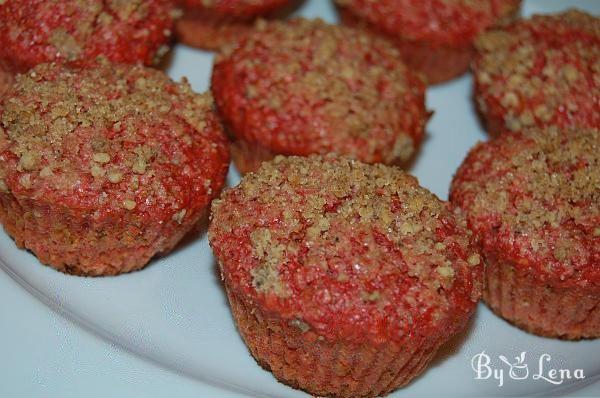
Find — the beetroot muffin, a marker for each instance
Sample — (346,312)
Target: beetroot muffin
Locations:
(435,36)
(540,72)
(77,31)
(302,87)
(102,168)
(533,199)
(344,278)
(214,24)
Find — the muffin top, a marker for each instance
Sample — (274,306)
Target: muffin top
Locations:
(115,138)
(439,22)
(534,198)
(304,86)
(348,250)
(235,8)
(544,71)
(77,31)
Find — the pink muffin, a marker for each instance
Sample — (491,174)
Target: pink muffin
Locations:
(533,200)
(103,168)
(344,278)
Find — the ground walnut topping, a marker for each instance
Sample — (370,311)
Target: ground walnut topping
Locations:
(544,71)
(127,132)
(540,192)
(270,254)
(316,226)
(324,88)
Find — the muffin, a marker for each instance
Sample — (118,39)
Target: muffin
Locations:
(435,37)
(533,200)
(103,168)
(540,72)
(344,278)
(214,24)
(305,87)
(77,31)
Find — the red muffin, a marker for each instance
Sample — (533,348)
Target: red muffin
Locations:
(303,86)
(541,72)
(214,24)
(533,199)
(102,168)
(344,278)
(435,36)
(77,31)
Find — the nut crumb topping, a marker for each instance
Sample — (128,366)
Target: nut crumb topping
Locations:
(535,197)
(334,234)
(65,44)
(544,71)
(129,204)
(312,87)
(302,326)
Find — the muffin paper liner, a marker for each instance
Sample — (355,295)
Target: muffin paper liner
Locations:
(566,313)
(327,368)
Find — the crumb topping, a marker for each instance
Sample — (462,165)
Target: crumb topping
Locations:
(536,196)
(541,72)
(111,137)
(76,31)
(325,89)
(439,22)
(327,235)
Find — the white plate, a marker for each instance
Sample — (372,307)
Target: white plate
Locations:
(174,316)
